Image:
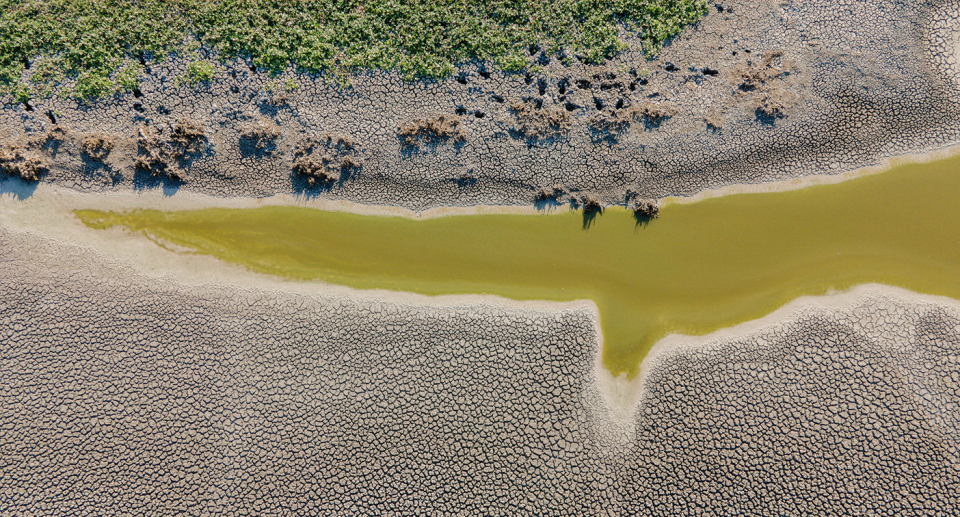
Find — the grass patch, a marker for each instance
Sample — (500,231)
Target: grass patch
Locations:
(198,72)
(95,42)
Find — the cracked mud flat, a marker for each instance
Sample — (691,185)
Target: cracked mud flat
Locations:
(131,392)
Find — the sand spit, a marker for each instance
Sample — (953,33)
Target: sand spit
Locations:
(857,84)
(131,391)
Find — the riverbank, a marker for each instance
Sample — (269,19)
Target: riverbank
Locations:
(682,272)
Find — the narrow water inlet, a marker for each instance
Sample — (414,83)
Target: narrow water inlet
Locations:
(700,267)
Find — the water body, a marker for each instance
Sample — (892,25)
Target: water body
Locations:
(699,268)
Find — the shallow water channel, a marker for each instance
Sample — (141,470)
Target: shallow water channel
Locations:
(700,267)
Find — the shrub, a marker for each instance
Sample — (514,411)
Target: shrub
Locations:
(417,38)
(96,147)
(549,194)
(330,159)
(260,134)
(652,114)
(168,155)
(591,205)
(17,161)
(199,72)
(609,122)
(537,122)
(431,130)
(647,209)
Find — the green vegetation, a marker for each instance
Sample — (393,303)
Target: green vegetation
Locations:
(104,44)
(198,72)
(698,268)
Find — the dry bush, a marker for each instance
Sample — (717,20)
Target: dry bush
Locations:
(165,155)
(774,103)
(326,160)
(615,122)
(611,122)
(55,136)
(591,204)
(537,122)
(96,146)
(188,137)
(260,134)
(653,113)
(19,162)
(647,209)
(549,194)
(438,128)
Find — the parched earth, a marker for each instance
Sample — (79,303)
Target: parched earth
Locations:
(757,91)
(126,395)
(123,394)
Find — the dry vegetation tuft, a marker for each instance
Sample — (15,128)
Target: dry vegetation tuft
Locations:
(326,160)
(166,155)
(591,204)
(765,79)
(653,113)
(19,162)
(647,209)
(432,130)
(260,134)
(615,122)
(537,122)
(549,194)
(96,146)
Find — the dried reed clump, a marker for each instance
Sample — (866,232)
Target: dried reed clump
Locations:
(609,122)
(19,162)
(591,204)
(431,130)
(775,103)
(647,208)
(757,76)
(714,119)
(615,122)
(326,160)
(766,78)
(260,134)
(537,122)
(653,113)
(166,155)
(96,146)
(549,194)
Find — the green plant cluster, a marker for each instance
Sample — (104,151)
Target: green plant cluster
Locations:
(104,44)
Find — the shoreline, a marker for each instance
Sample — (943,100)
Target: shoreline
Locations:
(155,199)
(48,212)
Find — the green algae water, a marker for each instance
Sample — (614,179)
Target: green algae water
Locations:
(699,268)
